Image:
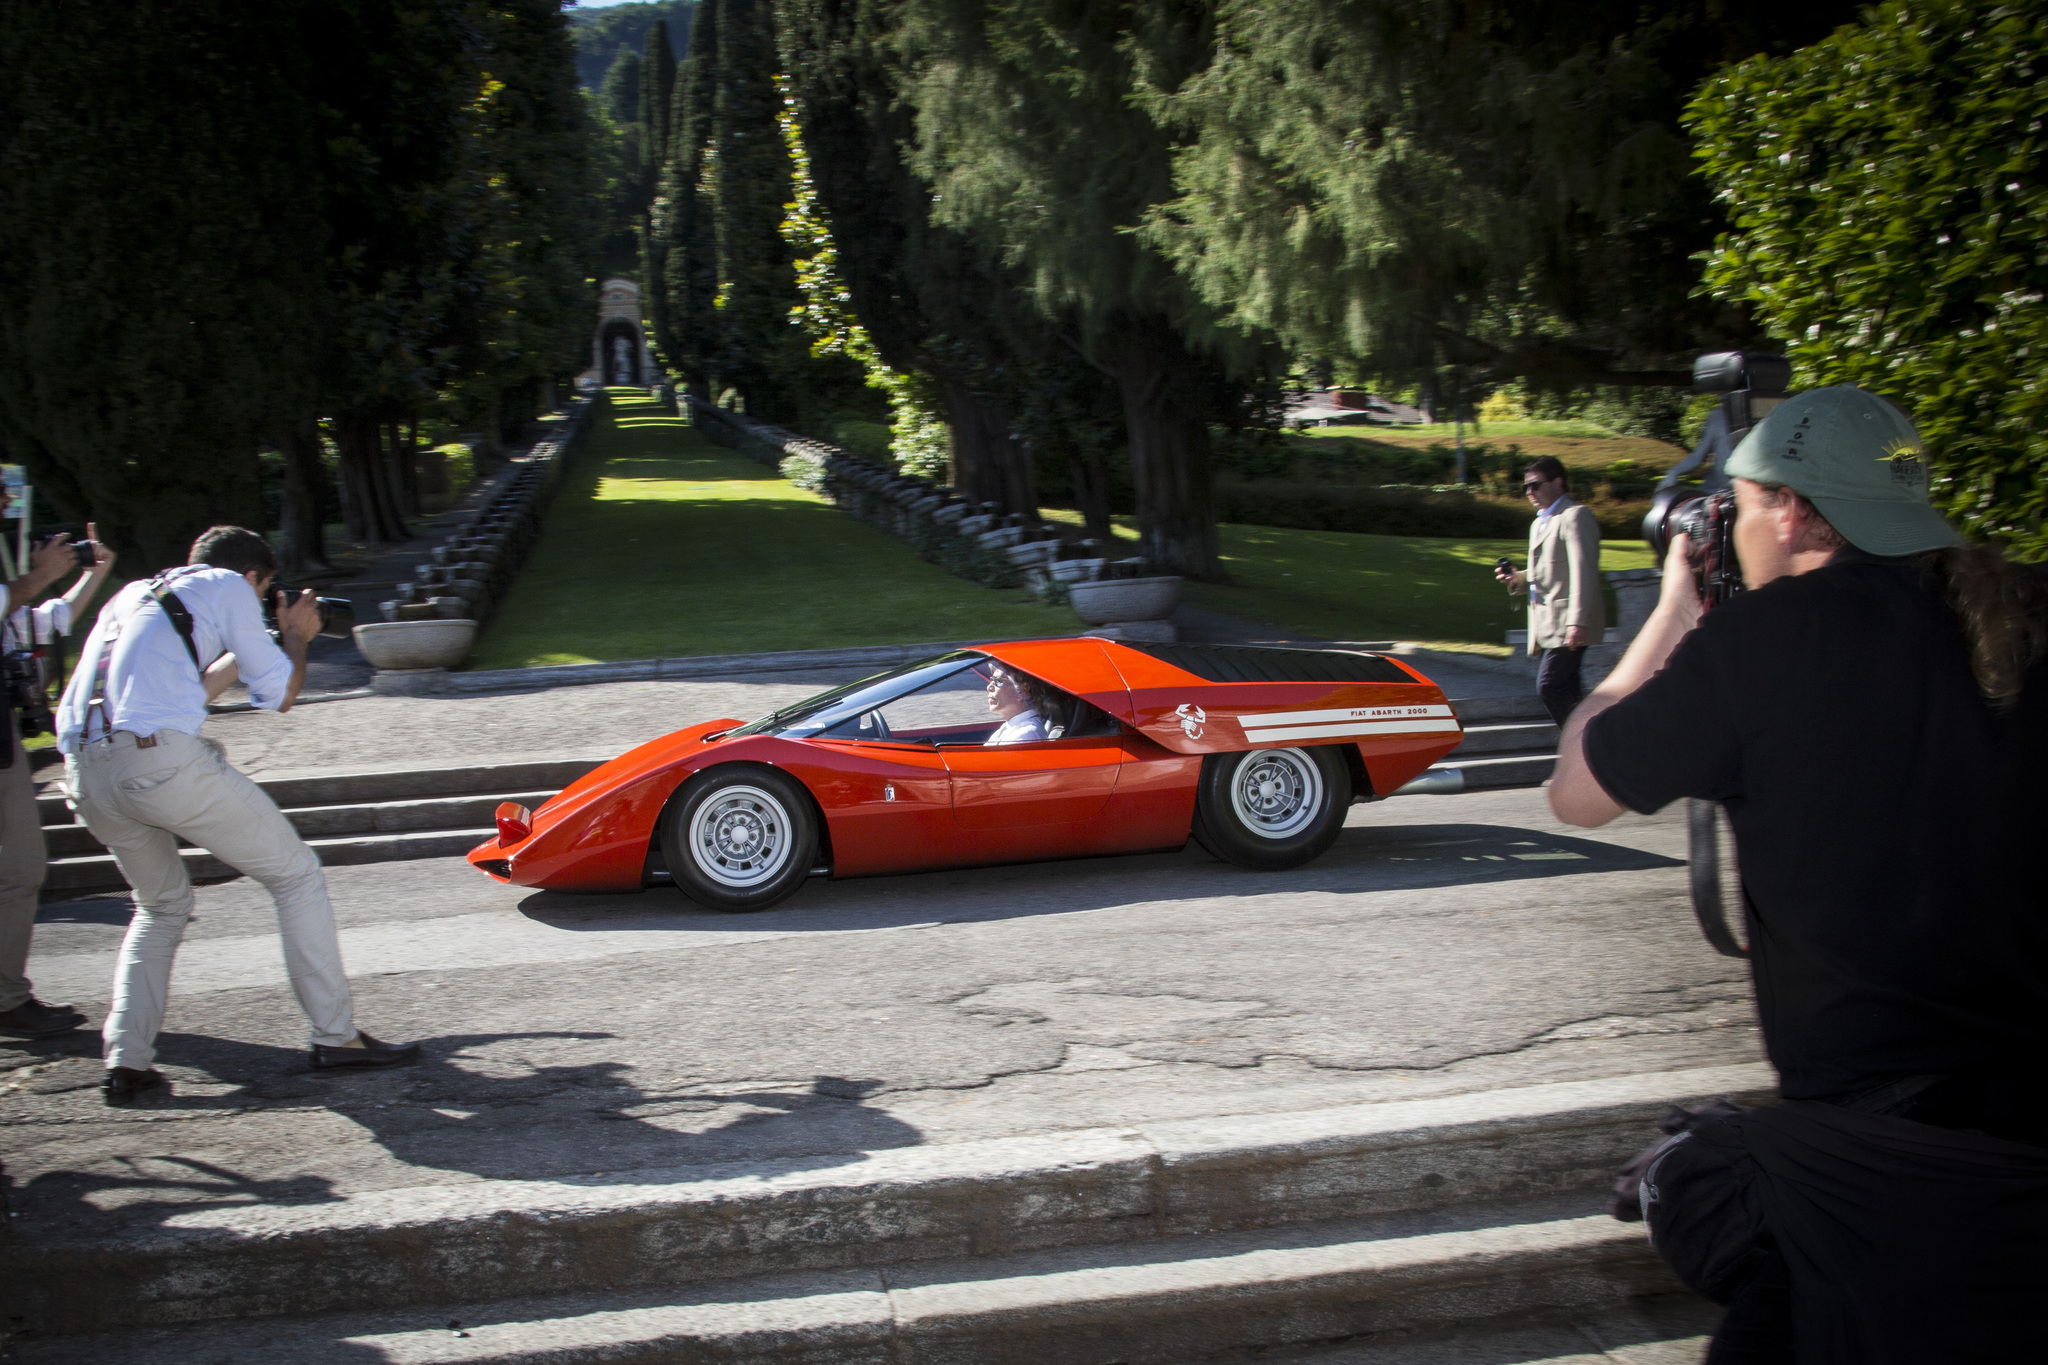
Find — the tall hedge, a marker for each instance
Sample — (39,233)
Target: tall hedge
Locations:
(1890,220)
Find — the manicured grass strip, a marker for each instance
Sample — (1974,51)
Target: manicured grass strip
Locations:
(662,545)
(1339,586)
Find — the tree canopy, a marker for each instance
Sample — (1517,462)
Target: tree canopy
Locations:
(227,223)
(1886,211)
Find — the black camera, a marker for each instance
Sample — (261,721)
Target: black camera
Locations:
(82,551)
(1697,498)
(337,614)
(21,681)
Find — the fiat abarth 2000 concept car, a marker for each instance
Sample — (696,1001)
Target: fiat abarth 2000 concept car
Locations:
(1004,753)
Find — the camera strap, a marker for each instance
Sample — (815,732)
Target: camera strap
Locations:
(181,619)
(158,590)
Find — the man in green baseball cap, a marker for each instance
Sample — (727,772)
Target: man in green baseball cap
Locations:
(1872,714)
(1857,459)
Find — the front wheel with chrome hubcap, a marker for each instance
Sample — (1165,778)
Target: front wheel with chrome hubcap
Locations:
(740,836)
(1272,809)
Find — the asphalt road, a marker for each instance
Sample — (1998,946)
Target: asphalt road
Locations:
(1446,944)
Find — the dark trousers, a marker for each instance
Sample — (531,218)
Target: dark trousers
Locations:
(1557,681)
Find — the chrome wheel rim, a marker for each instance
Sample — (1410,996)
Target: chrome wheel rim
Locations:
(1275,793)
(739,837)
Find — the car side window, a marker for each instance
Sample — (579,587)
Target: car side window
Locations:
(953,710)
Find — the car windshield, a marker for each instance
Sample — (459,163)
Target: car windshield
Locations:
(814,714)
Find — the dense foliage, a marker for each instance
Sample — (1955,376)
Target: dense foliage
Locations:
(231,227)
(1887,207)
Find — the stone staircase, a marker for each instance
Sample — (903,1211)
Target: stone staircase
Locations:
(359,818)
(1367,1230)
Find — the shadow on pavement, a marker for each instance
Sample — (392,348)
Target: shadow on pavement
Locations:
(1364,859)
(580,1123)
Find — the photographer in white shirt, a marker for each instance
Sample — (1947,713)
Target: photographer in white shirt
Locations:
(143,779)
(23,858)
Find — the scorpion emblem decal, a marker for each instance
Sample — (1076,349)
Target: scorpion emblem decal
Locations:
(1192,719)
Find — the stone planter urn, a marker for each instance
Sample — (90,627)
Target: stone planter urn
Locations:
(1109,601)
(416,644)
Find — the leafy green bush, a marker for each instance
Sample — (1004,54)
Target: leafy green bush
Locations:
(1891,220)
(805,470)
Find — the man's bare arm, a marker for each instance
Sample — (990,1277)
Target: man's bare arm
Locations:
(1576,796)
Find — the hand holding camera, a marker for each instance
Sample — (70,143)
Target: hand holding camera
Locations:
(297,621)
(1504,571)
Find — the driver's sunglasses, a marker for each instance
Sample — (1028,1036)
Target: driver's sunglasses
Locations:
(1529,484)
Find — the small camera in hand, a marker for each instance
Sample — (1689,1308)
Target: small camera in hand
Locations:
(337,614)
(84,553)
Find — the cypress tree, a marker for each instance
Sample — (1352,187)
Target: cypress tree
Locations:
(756,284)
(657,88)
(657,107)
(686,210)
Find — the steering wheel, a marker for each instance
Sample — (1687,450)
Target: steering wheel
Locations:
(880,726)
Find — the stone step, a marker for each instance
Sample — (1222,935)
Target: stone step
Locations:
(408,784)
(1167,1300)
(465,813)
(1664,1329)
(1512,737)
(643,1230)
(97,872)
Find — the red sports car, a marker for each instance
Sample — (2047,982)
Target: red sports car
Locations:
(1006,753)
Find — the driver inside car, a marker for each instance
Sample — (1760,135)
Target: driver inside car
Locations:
(1018,700)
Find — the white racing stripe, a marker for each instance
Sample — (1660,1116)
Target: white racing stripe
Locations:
(1361,729)
(1345,713)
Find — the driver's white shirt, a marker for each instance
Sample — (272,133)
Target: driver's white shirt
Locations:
(1018,729)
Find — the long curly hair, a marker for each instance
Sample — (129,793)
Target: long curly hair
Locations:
(2002,608)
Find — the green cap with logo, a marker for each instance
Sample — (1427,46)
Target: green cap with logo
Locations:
(1857,459)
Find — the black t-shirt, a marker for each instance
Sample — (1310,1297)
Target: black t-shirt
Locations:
(1885,821)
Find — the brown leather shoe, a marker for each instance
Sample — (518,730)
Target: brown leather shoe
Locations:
(371,1053)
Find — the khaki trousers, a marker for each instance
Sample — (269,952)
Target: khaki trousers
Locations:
(139,802)
(22,864)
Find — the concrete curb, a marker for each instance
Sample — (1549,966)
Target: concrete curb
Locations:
(498,1239)
(1175,1301)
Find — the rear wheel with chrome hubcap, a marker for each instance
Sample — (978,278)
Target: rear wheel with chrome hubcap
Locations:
(1272,809)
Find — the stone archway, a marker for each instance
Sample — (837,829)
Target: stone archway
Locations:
(619,346)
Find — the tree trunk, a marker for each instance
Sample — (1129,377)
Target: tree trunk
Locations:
(1165,421)
(1091,489)
(405,473)
(366,474)
(301,524)
(990,464)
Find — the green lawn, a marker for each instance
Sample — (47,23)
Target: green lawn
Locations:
(1351,587)
(661,544)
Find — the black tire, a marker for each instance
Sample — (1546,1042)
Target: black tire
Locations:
(1272,809)
(740,836)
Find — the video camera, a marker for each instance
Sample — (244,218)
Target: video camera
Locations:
(337,614)
(1702,507)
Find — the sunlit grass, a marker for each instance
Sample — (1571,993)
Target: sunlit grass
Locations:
(662,545)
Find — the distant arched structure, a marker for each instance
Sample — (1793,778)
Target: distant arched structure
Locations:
(618,351)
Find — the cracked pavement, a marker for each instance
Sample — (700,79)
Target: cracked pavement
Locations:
(1446,944)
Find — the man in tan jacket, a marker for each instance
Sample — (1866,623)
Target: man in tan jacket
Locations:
(1567,606)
